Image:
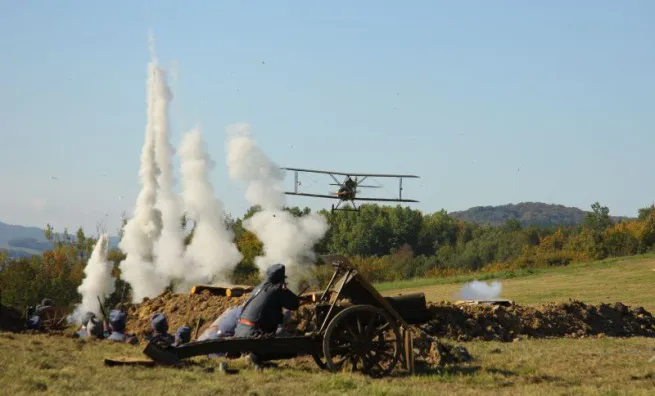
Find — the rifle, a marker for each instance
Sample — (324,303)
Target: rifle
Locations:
(120,306)
(105,318)
(304,290)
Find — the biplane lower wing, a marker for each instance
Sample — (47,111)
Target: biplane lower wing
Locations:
(354,199)
(351,174)
(385,199)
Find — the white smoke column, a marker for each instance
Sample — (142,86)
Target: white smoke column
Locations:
(98,281)
(212,254)
(169,247)
(477,290)
(247,163)
(144,227)
(287,239)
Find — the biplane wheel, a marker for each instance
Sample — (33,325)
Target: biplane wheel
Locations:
(365,338)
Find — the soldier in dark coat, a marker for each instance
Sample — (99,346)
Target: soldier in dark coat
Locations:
(182,335)
(117,324)
(262,313)
(36,314)
(159,326)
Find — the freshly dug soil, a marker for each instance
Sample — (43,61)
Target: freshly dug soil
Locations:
(180,310)
(461,323)
(431,352)
(570,319)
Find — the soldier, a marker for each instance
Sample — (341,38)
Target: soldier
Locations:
(224,325)
(160,328)
(182,335)
(95,328)
(83,331)
(117,324)
(36,314)
(46,305)
(262,313)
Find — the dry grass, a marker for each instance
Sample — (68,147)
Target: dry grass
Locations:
(629,280)
(33,364)
(56,365)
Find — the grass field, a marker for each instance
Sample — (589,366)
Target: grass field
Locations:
(33,364)
(629,280)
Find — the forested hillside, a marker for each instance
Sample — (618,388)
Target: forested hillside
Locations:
(385,243)
(21,241)
(527,213)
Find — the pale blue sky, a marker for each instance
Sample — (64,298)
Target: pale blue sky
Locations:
(463,93)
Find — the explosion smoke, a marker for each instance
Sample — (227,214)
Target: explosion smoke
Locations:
(287,239)
(169,247)
(212,254)
(98,282)
(145,226)
(247,163)
(477,290)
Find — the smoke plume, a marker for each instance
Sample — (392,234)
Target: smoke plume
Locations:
(212,254)
(98,281)
(144,227)
(169,248)
(477,290)
(287,239)
(247,163)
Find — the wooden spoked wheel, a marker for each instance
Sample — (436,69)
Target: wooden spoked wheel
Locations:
(319,360)
(52,318)
(362,338)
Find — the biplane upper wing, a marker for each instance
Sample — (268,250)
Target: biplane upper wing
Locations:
(350,174)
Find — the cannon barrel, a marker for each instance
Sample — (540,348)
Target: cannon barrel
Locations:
(412,307)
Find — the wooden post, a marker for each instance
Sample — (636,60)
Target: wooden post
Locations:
(408,343)
(195,336)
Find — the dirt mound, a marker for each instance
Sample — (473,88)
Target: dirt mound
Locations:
(183,309)
(431,352)
(456,322)
(11,319)
(571,319)
(180,310)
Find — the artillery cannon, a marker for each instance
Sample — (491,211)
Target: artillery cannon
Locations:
(367,334)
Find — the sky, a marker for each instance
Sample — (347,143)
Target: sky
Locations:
(489,102)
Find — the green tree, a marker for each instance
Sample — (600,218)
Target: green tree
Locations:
(644,213)
(512,225)
(437,230)
(597,222)
(599,219)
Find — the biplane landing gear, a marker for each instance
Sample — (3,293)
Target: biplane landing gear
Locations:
(352,208)
(365,338)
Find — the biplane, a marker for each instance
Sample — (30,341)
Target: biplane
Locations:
(347,192)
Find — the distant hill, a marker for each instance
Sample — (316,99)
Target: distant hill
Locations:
(527,213)
(20,241)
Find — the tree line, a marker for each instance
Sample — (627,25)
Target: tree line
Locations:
(385,243)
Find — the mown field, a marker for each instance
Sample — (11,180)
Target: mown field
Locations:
(628,280)
(33,364)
